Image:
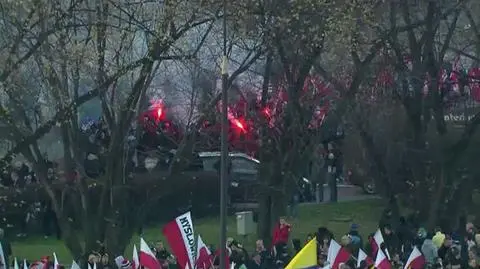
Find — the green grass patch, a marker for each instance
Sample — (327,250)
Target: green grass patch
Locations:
(336,217)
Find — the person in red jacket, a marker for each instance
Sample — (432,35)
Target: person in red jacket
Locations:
(281,232)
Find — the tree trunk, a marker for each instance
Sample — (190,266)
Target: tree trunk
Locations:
(264,221)
(434,204)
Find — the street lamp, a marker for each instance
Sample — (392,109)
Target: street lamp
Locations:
(224,146)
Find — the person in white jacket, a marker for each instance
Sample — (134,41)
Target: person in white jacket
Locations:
(429,250)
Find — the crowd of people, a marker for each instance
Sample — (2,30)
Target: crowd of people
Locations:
(459,248)
(455,248)
(20,174)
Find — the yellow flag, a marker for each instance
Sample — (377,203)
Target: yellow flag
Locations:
(306,257)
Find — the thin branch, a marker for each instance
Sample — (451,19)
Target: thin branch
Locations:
(448,38)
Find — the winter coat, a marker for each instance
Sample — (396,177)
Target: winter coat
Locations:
(429,251)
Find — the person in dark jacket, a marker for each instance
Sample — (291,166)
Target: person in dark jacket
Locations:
(49,220)
(256,262)
(444,249)
(385,219)
(391,239)
(405,237)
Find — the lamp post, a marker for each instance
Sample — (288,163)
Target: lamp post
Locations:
(224,146)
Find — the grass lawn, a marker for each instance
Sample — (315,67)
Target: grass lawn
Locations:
(336,217)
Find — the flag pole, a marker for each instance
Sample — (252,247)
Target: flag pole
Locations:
(224,145)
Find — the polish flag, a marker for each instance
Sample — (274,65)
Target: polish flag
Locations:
(147,258)
(2,257)
(381,262)
(15,264)
(75,265)
(416,260)
(181,238)
(135,259)
(362,256)
(227,258)
(377,242)
(203,260)
(336,255)
(55,261)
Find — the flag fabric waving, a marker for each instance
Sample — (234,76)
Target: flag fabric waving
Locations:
(204,258)
(227,258)
(415,260)
(181,238)
(2,258)
(382,262)
(75,265)
(55,261)
(15,264)
(362,256)
(135,259)
(377,243)
(147,258)
(336,255)
(306,257)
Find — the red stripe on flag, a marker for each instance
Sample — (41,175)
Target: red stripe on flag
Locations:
(172,232)
(149,261)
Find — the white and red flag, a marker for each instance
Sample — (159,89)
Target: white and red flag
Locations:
(382,262)
(135,259)
(181,238)
(362,256)
(336,255)
(2,258)
(415,260)
(147,258)
(204,257)
(75,265)
(377,243)
(55,261)
(15,264)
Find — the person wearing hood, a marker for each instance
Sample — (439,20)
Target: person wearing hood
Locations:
(405,237)
(391,239)
(385,219)
(438,239)
(355,238)
(429,250)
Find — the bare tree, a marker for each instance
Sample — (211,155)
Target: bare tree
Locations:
(116,42)
(428,150)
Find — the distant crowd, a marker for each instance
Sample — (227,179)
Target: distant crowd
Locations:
(19,174)
(459,248)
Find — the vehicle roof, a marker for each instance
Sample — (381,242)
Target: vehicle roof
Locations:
(206,154)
